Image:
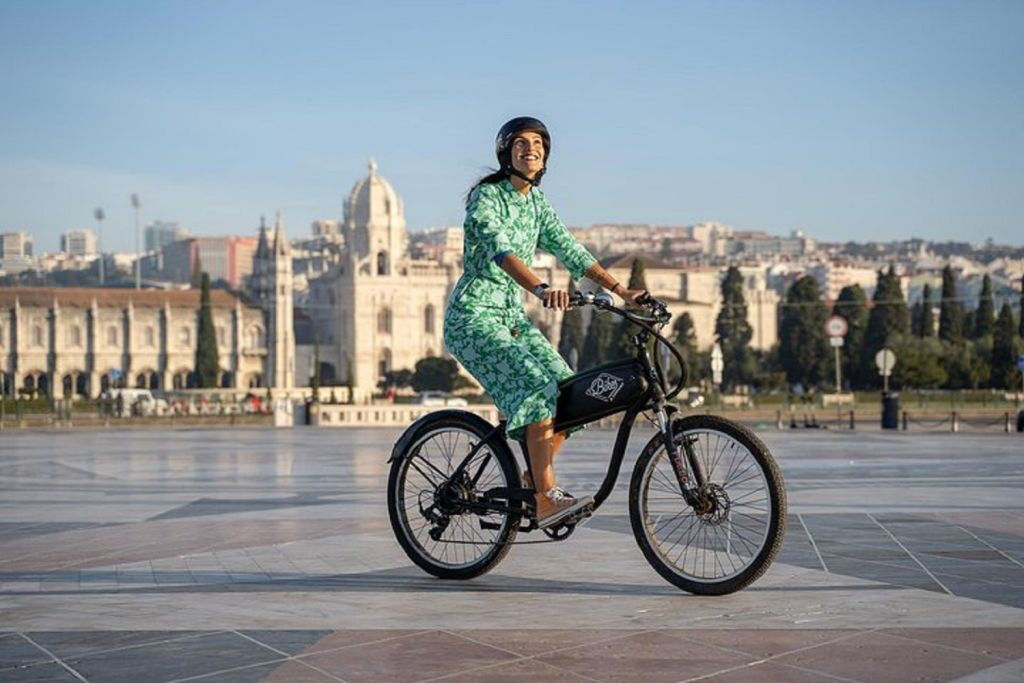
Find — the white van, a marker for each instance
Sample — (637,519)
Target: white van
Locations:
(147,403)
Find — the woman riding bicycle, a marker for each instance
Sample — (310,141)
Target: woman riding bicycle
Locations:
(507,219)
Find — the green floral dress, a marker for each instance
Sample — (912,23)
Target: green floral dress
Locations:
(485,326)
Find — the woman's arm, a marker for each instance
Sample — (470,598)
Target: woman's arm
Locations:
(559,298)
(602,277)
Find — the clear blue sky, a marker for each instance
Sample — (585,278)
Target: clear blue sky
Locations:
(851,120)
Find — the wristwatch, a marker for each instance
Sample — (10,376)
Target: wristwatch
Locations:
(539,290)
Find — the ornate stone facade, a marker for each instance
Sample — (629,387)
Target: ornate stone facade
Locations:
(80,341)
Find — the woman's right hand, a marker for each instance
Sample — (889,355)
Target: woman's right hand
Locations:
(557,299)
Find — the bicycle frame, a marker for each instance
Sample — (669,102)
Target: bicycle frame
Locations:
(655,398)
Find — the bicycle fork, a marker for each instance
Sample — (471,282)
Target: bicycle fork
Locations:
(687,488)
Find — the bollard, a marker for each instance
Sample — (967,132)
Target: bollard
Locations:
(1020,421)
(905,421)
(956,422)
(1006,422)
(792,420)
(778,419)
(853,423)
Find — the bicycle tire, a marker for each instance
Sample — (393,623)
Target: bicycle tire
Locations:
(644,528)
(415,546)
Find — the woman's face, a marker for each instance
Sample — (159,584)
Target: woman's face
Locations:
(528,153)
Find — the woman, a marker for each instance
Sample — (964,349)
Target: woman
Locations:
(485,327)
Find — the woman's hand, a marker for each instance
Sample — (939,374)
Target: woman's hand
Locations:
(557,299)
(630,296)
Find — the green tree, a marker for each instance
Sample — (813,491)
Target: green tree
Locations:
(570,338)
(733,332)
(951,316)
(625,330)
(437,374)
(919,363)
(314,381)
(888,319)
(926,325)
(207,364)
(803,343)
(1020,320)
(597,347)
(1004,374)
(852,306)
(984,315)
(684,338)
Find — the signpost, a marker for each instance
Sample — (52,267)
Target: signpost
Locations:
(717,364)
(836,328)
(885,360)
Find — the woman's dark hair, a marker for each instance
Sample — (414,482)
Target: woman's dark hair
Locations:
(491,178)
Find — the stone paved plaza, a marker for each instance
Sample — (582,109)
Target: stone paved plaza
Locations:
(261,554)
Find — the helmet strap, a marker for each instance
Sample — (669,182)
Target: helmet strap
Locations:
(534,181)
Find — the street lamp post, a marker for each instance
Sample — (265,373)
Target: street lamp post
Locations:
(99,216)
(138,252)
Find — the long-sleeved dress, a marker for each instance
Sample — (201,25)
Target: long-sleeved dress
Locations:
(485,326)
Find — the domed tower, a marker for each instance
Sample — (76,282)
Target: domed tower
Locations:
(374,226)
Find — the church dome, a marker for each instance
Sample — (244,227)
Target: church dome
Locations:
(373,201)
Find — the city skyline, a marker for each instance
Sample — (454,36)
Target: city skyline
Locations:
(869,121)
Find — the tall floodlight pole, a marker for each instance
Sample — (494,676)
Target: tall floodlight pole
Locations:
(99,216)
(138,250)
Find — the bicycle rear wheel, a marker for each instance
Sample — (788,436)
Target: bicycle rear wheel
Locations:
(431,525)
(728,543)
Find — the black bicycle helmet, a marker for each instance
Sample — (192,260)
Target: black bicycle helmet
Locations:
(508,133)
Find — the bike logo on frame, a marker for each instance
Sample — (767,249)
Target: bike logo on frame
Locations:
(605,387)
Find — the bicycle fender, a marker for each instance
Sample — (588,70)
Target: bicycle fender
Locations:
(401,446)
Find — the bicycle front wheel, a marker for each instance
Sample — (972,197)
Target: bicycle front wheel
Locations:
(730,538)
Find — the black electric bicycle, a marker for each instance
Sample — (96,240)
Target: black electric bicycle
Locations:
(706,499)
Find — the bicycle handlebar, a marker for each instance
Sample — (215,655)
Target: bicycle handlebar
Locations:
(660,316)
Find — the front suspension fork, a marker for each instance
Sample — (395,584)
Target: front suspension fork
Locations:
(687,488)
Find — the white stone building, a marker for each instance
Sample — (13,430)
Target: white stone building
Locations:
(81,341)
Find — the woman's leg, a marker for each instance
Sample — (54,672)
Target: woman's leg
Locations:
(543,444)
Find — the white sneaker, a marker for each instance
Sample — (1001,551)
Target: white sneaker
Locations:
(566,507)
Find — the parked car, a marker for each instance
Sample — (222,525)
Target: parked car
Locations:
(439,398)
(146,402)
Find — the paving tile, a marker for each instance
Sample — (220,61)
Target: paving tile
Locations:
(523,671)
(290,642)
(648,657)
(15,651)
(539,641)
(288,671)
(761,643)
(770,672)
(172,659)
(1007,643)
(40,673)
(416,657)
(881,658)
(68,644)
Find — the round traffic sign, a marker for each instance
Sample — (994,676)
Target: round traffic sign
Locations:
(836,326)
(885,360)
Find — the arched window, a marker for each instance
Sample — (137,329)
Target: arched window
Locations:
(226,380)
(428,319)
(76,336)
(382,263)
(149,336)
(384,320)
(255,380)
(111,336)
(256,337)
(37,335)
(184,337)
(384,363)
(141,381)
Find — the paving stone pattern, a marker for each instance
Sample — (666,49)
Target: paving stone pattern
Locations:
(266,555)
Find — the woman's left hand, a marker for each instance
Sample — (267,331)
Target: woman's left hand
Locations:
(630,296)
(557,299)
